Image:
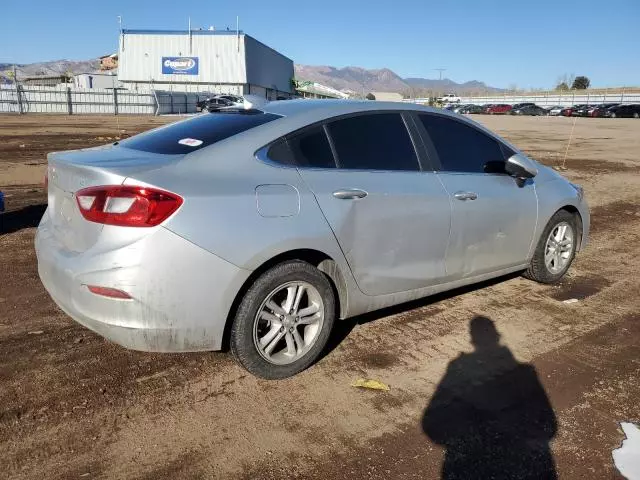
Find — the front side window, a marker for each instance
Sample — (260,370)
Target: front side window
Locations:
(373,142)
(462,148)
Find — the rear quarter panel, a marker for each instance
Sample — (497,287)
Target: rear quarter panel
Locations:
(221,209)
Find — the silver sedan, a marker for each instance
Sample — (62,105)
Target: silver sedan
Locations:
(257,229)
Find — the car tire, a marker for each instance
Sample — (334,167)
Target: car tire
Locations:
(540,269)
(613,115)
(267,297)
(636,115)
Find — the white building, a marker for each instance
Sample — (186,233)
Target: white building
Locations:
(96,80)
(387,96)
(202,60)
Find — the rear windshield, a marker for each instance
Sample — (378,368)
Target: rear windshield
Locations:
(198,132)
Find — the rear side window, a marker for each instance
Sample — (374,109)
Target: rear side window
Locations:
(197,132)
(462,148)
(373,142)
(309,149)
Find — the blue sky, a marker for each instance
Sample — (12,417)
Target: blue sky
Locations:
(500,42)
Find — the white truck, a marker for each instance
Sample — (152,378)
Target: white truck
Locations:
(449,98)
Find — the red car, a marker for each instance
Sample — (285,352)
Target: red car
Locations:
(571,111)
(498,108)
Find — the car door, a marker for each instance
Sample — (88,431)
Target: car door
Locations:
(493,216)
(390,219)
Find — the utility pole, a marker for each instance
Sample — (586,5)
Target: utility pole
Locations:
(440,70)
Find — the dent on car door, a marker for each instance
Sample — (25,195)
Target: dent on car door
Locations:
(390,219)
(493,215)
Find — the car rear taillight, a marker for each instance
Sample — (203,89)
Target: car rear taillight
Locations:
(127,206)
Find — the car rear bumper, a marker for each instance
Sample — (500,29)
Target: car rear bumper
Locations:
(181,294)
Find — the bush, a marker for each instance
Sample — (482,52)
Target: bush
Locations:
(562,86)
(581,83)
(370,96)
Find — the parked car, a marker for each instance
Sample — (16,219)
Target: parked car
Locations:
(568,111)
(217,102)
(524,104)
(555,110)
(450,107)
(458,108)
(500,108)
(467,109)
(533,110)
(449,98)
(582,110)
(244,226)
(598,110)
(623,111)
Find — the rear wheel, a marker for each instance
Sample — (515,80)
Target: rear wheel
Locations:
(556,249)
(284,320)
(636,115)
(613,115)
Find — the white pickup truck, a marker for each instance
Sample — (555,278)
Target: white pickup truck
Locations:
(449,98)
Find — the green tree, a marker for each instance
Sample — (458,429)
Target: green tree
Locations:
(581,83)
(370,96)
(562,86)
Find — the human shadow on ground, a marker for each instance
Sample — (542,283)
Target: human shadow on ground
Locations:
(491,414)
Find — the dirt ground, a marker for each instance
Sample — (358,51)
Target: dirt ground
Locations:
(73,405)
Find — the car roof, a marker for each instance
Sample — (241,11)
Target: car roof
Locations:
(328,108)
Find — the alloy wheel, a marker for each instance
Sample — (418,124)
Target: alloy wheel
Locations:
(288,322)
(559,248)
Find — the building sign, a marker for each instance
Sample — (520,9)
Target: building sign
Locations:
(180,65)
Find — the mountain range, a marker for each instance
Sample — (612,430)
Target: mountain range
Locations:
(356,79)
(53,68)
(360,79)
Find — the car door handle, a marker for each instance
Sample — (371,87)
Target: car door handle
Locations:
(465,195)
(349,194)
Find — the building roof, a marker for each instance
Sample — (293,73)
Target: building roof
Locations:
(183,32)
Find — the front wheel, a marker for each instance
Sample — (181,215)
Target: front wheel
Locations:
(556,249)
(284,320)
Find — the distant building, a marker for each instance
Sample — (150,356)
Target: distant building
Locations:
(109,62)
(387,96)
(203,60)
(45,80)
(96,80)
(307,89)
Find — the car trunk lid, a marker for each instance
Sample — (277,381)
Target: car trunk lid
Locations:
(71,171)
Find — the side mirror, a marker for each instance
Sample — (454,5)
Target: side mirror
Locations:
(520,166)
